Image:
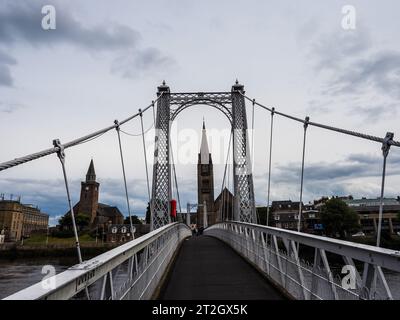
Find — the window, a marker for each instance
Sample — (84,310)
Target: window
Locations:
(311,215)
(277,217)
(204,169)
(123,229)
(114,230)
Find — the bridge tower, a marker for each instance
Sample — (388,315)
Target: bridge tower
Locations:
(232,105)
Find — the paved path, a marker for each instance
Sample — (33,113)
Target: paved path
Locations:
(207,268)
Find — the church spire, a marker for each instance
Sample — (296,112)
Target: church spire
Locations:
(91,174)
(204,151)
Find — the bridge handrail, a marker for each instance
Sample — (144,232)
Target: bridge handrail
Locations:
(78,277)
(385,258)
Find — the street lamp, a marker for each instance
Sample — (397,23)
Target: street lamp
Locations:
(205,220)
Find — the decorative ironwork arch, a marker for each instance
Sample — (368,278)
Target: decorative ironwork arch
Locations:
(232,104)
(208,102)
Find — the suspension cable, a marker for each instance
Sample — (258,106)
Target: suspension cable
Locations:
(47,152)
(175,179)
(306,121)
(331,128)
(269,164)
(124,175)
(225,170)
(145,156)
(142,132)
(61,156)
(252,152)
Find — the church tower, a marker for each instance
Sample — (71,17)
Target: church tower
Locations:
(89,200)
(205,182)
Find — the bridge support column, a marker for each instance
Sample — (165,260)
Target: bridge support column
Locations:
(244,205)
(161,193)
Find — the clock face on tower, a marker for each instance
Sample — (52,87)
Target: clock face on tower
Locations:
(87,188)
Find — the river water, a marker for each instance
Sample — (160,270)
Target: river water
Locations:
(19,274)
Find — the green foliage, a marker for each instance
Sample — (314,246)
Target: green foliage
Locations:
(81,220)
(135,220)
(148,213)
(338,218)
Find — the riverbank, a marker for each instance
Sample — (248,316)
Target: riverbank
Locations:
(18,251)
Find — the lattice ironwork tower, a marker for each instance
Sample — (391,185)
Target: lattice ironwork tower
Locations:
(232,105)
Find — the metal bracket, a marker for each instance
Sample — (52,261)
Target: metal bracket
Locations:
(116,122)
(60,152)
(306,122)
(272,111)
(387,143)
(140,113)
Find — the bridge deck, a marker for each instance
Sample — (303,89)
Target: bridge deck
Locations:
(207,268)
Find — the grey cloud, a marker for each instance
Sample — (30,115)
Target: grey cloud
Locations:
(133,64)
(353,166)
(5,74)
(353,71)
(21,22)
(374,112)
(330,51)
(9,107)
(329,178)
(380,71)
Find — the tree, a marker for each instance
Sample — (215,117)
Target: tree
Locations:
(135,220)
(148,213)
(81,221)
(338,218)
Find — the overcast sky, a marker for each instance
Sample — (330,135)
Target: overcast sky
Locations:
(105,60)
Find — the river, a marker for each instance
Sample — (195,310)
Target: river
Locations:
(19,274)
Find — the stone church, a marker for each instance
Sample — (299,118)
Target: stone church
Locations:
(217,210)
(101,215)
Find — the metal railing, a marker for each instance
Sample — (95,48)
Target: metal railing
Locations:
(298,262)
(131,271)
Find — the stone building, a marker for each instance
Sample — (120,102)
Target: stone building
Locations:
(286,214)
(368,213)
(205,183)
(101,215)
(121,232)
(20,220)
(223,206)
(33,220)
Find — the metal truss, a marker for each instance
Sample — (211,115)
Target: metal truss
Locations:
(232,105)
(369,272)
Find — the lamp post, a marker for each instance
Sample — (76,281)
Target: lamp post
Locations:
(47,235)
(205,220)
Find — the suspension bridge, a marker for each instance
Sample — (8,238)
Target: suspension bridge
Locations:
(234,259)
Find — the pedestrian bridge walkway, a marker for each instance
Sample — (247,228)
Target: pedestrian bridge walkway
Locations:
(207,268)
